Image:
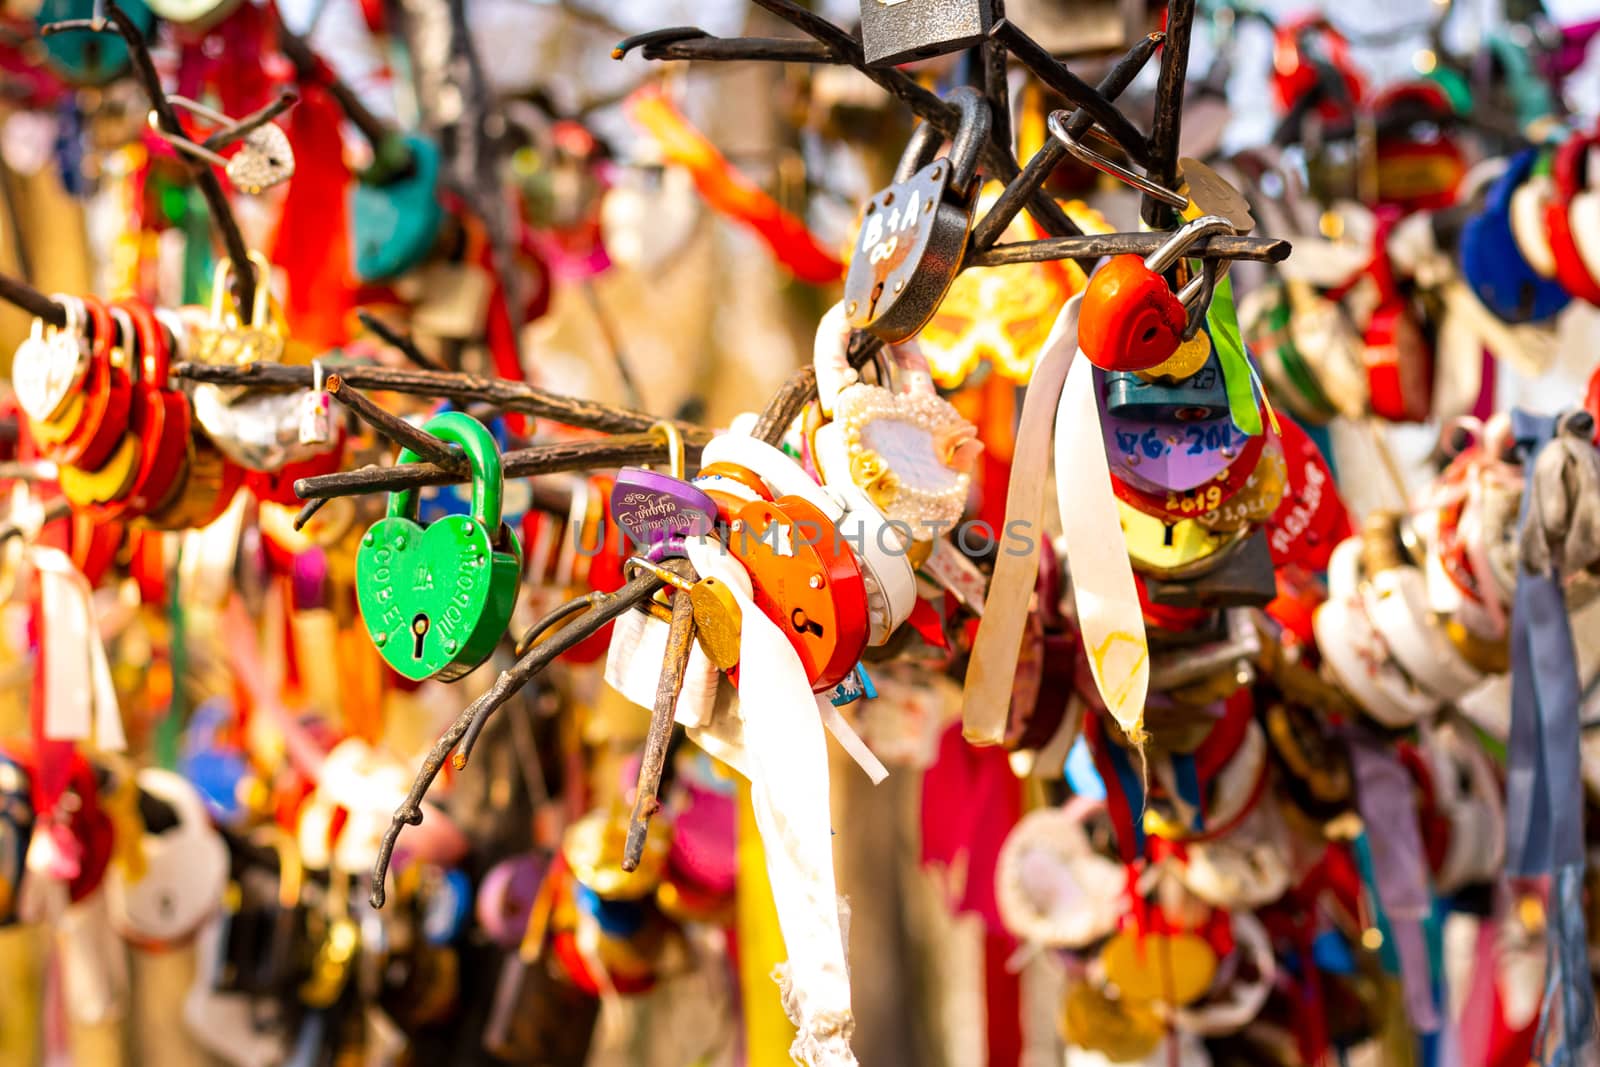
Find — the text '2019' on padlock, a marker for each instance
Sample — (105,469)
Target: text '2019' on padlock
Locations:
(902,31)
(914,233)
(1131,320)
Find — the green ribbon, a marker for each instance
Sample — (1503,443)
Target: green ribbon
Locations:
(1237,376)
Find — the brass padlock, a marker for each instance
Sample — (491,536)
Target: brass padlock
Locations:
(224,339)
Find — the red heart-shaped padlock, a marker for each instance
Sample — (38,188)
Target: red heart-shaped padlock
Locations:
(1130,319)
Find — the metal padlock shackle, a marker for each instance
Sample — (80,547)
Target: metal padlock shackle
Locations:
(1196,295)
(1057,124)
(483,459)
(221,289)
(965,147)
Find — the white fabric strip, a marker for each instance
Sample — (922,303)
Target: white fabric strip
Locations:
(993,666)
(1109,616)
(73,654)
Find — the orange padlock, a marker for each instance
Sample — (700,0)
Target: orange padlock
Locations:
(1131,320)
(806,581)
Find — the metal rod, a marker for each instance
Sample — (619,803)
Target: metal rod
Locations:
(394,428)
(409,813)
(455,386)
(996,84)
(1050,155)
(680,642)
(1218,246)
(604,452)
(1047,69)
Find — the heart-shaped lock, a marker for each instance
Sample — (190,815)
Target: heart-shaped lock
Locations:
(437,598)
(225,338)
(160,416)
(47,368)
(1499,276)
(1311,518)
(205,487)
(395,217)
(66,436)
(86,483)
(1131,320)
(656,510)
(807,581)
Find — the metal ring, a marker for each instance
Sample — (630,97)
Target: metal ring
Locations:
(1057,124)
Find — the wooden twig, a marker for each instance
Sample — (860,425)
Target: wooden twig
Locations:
(399,340)
(1052,152)
(1220,246)
(144,67)
(409,813)
(1168,122)
(395,429)
(597,453)
(456,386)
(680,642)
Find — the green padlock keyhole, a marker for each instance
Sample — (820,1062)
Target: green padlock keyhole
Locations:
(437,598)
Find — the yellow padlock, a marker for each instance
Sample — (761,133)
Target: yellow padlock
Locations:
(1176,550)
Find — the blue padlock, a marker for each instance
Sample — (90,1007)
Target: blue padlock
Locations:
(394,223)
(1491,262)
(1201,396)
(213,768)
(84,57)
(444,914)
(435,502)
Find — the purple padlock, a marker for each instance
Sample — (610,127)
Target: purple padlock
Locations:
(1159,456)
(506,897)
(657,510)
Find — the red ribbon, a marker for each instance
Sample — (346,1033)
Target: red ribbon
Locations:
(312,243)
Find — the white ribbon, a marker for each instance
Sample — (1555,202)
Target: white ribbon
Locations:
(992,668)
(1109,616)
(80,699)
(785,757)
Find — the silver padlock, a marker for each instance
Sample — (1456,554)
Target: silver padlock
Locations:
(902,31)
(316,411)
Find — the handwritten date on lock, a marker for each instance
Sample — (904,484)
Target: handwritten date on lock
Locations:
(1195,440)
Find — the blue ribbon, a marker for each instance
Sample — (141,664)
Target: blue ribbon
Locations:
(1544,784)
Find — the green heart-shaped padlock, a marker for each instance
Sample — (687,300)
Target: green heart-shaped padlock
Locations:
(437,598)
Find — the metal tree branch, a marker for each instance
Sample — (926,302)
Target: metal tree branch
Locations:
(1168,122)
(1050,155)
(455,386)
(1081,94)
(409,813)
(613,451)
(691,44)
(395,429)
(1220,246)
(680,642)
(144,68)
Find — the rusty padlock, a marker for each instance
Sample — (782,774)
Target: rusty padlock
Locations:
(1131,319)
(914,232)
